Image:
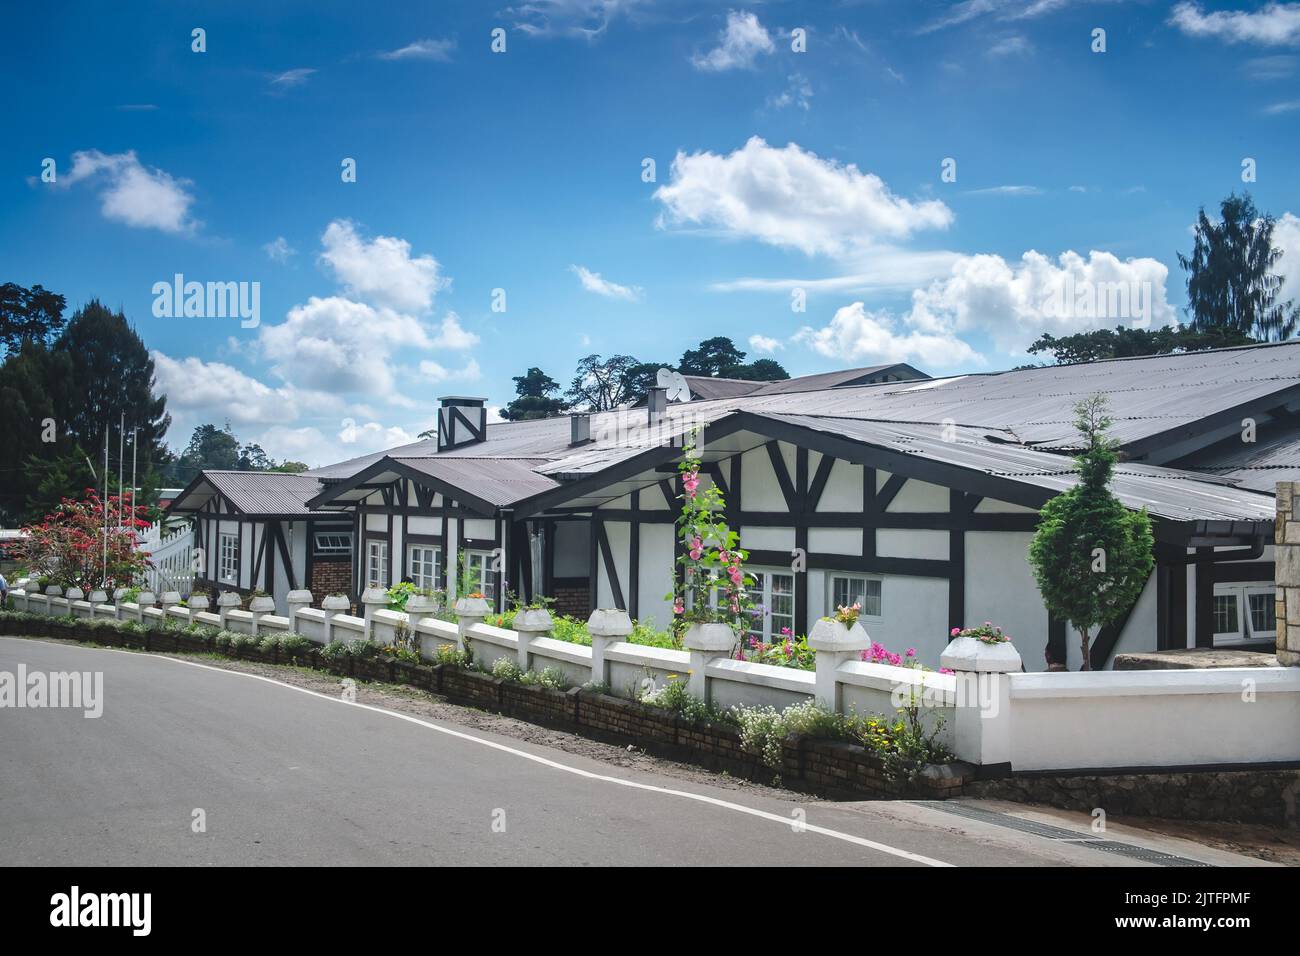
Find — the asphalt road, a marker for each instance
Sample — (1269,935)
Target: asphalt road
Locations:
(287,776)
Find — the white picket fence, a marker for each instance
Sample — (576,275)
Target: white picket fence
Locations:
(171,556)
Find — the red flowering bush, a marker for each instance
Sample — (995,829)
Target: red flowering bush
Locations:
(68,545)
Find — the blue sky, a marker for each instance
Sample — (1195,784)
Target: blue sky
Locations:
(775,170)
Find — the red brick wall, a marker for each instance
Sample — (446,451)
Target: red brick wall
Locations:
(329,577)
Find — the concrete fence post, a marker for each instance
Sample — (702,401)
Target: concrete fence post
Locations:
(331,605)
(420,606)
(374,599)
(259,607)
(469,611)
(169,599)
(607,626)
(706,642)
(297,601)
(982,722)
(835,643)
(119,598)
(97,597)
(197,604)
(530,622)
(227,601)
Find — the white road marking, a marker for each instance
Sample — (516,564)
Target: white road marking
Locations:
(553,764)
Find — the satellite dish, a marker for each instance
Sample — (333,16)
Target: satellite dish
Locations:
(675,382)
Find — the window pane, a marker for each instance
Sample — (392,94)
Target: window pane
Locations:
(846,591)
(1225,614)
(1262,613)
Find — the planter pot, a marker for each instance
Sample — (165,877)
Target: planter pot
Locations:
(533,620)
(146,599)
(472,607)
(262,605)
(609,622)
(76,594)
(420,605)
(98,597)
(710,637)
(836,637)
(971,654)
(336,603)
(197,603)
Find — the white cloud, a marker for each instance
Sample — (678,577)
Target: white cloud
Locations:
(1010,46)
(218,392)
(739,44)
(139,196)
(764,343)
(798,92)
(885,269)
(340,346)
(1275,24)
(592,282)
(1287,106)
(588,19)
(791,198)
(452,335)
(1020,190)
(290,78)
(428,49)
(1286,236)
(1265,68)
(279,250)
(1013,303)
(381,270)
(435,372)
(855,334)
(372,436)
(1010,304)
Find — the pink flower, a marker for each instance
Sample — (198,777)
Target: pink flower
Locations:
(954,632)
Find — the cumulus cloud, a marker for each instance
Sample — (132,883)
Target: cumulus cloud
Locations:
(1275,24)
(742,41)
(434,372)
(337,345)
(1009,304)
(222,391)
(428,49)
(139,196)
(279,250)
(1286,236)
(381,270)
(764,343)
(452,335)
(792,198)
(855,333)
(372,436)
(592,282)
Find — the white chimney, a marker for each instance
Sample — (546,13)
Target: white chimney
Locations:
(461,421)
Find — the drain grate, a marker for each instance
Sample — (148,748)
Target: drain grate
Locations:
(1129,850)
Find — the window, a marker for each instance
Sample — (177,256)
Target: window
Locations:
(377,563)
(333,542)
(478,566)
(228,564)
(849,590)
(425,563)
(774,592)
(1243,612)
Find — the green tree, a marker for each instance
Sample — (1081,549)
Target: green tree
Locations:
(761,370)
(1122,342)
(1230,279)
(601,384)
(1091,556)
(714,357)
(28,315)
(638,379)
(535,393)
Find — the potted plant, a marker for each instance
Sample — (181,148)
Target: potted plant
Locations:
(839,631)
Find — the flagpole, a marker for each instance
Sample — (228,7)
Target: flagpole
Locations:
(104,506)
(121,454)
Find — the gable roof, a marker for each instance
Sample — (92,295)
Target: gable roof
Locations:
(706,387)
(249,492)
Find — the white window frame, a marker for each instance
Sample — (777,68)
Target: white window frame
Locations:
(487,578)
(832,576)
(415,569)
(340,546)
(228,556)
(762,627)
(1243,592)
(376,554)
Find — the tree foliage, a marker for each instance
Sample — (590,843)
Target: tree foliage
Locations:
(601,384)
(1091,556)
(87,544)
(1123,342)
(28,315)
(535,397)
(1230,279)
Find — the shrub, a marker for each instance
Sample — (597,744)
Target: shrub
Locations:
(451,655)
(240,643)
(294,644)
(361,649)
(506,669)
(673,696)
(335,652)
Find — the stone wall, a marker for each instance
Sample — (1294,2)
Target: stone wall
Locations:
(1245,796)
(1286,564)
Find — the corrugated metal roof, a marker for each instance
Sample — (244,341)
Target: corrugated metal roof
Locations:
(706,388)
(254,492)
(840,378)
(1167,492)
(1257,465)
(499,481)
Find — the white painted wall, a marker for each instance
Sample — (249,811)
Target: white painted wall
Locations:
(1000,588)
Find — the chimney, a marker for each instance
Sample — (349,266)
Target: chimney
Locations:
(657,402)
(579,429)
(461,421)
